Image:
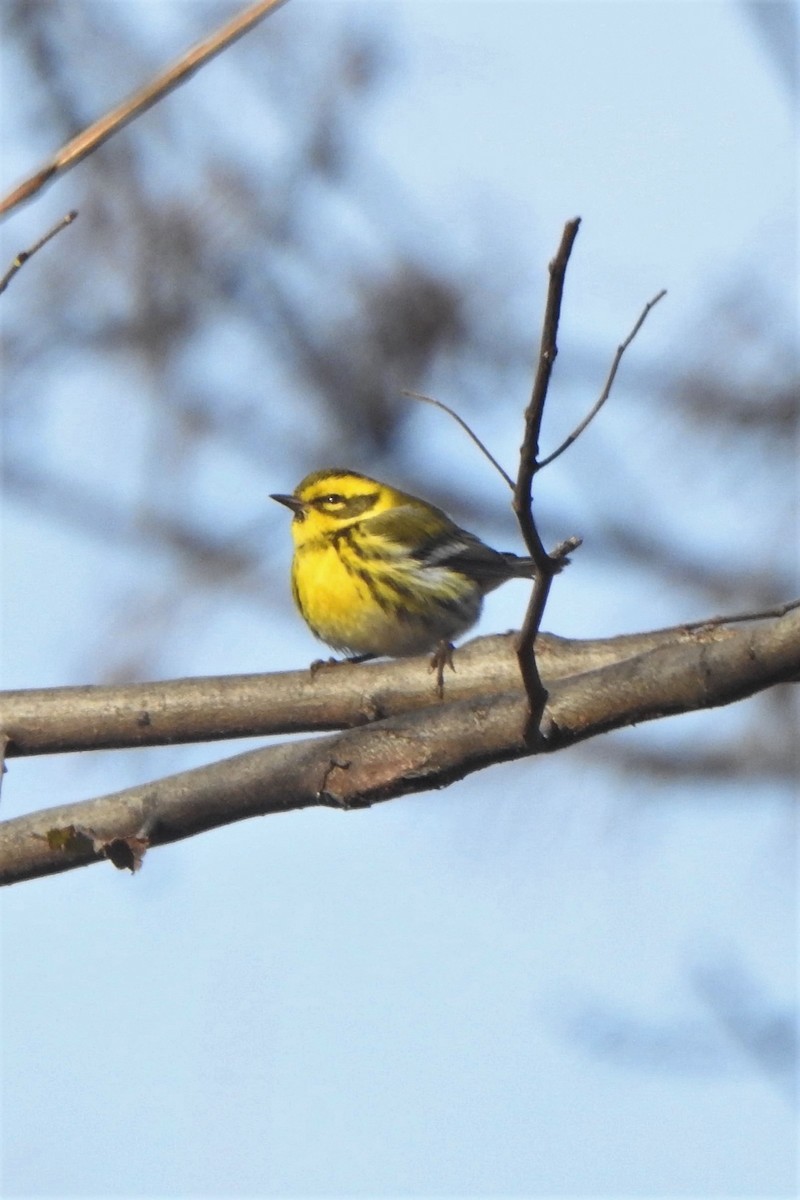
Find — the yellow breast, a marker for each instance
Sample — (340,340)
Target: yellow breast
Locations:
(357,611)
(334,603)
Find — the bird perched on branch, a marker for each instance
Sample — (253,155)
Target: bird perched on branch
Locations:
(377,571)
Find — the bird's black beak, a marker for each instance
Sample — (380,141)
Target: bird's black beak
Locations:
(290,502)
(297,506)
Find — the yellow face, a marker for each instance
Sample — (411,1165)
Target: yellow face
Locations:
(330,500)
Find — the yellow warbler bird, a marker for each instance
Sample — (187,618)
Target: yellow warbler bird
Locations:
(377,571)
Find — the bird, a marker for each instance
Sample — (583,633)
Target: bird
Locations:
(378,572)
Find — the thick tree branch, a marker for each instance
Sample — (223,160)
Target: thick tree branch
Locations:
(58,720)
(412,752)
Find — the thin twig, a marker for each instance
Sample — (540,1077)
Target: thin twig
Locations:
(470,433)
(546,565)
(89,139)
(766,614)
(24,255)
(606,392)
(562,551)
(548,350)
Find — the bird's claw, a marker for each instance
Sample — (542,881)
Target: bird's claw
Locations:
(442,657)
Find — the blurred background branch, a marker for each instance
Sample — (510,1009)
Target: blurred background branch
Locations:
(88,140)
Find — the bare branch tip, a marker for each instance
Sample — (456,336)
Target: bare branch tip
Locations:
(467,429)
(606,392)
(25,255)
(566,547)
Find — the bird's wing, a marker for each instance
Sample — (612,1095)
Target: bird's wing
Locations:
(433,540)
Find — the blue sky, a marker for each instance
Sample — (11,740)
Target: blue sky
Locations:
(416,1000)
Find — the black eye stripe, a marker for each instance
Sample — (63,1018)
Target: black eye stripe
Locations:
(333,500)
(345,506)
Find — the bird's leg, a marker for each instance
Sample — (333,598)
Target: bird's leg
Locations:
(442,657)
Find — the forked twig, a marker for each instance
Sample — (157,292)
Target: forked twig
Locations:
(24,255)
(470,433)
(90,138)
(548,565)
(606,392)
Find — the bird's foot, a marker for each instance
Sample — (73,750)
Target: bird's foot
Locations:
(322,664)
(442,657)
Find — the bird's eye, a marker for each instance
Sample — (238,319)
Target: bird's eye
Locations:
(333,498)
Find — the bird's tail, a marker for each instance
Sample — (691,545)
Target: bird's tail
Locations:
(520,568)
